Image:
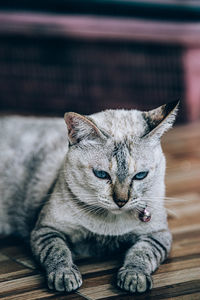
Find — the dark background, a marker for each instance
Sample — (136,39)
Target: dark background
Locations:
(58,56)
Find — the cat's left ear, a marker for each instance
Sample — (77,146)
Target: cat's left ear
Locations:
(160,119)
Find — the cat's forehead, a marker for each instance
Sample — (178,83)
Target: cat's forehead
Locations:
(121,124)
(129,156)
(121,158)
(121,155)
(126,152)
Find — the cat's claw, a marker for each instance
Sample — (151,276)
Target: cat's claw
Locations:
(64,279)
(133,280)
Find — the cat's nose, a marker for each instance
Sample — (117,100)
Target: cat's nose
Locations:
(120,202)
(120,194)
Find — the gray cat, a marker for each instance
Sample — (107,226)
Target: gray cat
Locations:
(97,190)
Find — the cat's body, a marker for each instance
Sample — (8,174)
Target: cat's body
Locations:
(31,153)
(81,195)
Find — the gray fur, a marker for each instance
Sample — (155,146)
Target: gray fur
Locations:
(49,193)
(120,152)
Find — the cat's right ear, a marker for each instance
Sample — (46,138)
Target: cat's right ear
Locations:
(161,119)
(80,128)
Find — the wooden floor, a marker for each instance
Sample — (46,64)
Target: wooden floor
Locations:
(178,278)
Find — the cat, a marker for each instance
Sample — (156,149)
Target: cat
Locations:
(86,192)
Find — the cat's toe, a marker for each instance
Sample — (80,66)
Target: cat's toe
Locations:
(133,280)
(65,279)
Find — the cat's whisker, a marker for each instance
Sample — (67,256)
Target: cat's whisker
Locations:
(159,209)
(61,193)
(166,198)
(170,211)
(89,210)
(88,196)
(169,200)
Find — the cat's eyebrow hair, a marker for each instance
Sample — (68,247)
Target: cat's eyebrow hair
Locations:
(120,152)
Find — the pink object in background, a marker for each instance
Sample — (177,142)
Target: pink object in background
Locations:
(191,61)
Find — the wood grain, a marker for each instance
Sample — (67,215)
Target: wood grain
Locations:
(178,278)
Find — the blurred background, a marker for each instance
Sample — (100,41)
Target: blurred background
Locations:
(87,56)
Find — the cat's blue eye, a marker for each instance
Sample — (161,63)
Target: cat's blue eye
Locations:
(101,174)
(140,175)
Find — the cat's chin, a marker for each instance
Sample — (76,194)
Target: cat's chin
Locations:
(121,211)
(117,211)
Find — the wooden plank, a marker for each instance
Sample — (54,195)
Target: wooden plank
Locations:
(160,280)
(21,284)
(43,294)
(179,265)
(101,291)
(194,296)
(187,289)
(9,270)
(20,255)
(174,277)
(99,267)
(3,257)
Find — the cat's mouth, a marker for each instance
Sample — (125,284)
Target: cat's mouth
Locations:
(117,211)
(144,214)
(124,209)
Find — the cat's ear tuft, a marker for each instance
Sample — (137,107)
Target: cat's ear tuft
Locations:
(160,119)
(80,128)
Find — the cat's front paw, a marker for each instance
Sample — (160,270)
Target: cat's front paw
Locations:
(64,279)
(133,280)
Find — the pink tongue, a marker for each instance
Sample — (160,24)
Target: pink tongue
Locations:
(145,215)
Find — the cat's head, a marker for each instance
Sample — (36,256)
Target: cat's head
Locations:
(115,161)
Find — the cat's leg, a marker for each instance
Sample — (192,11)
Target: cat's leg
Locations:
(142,259)
(51,251)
